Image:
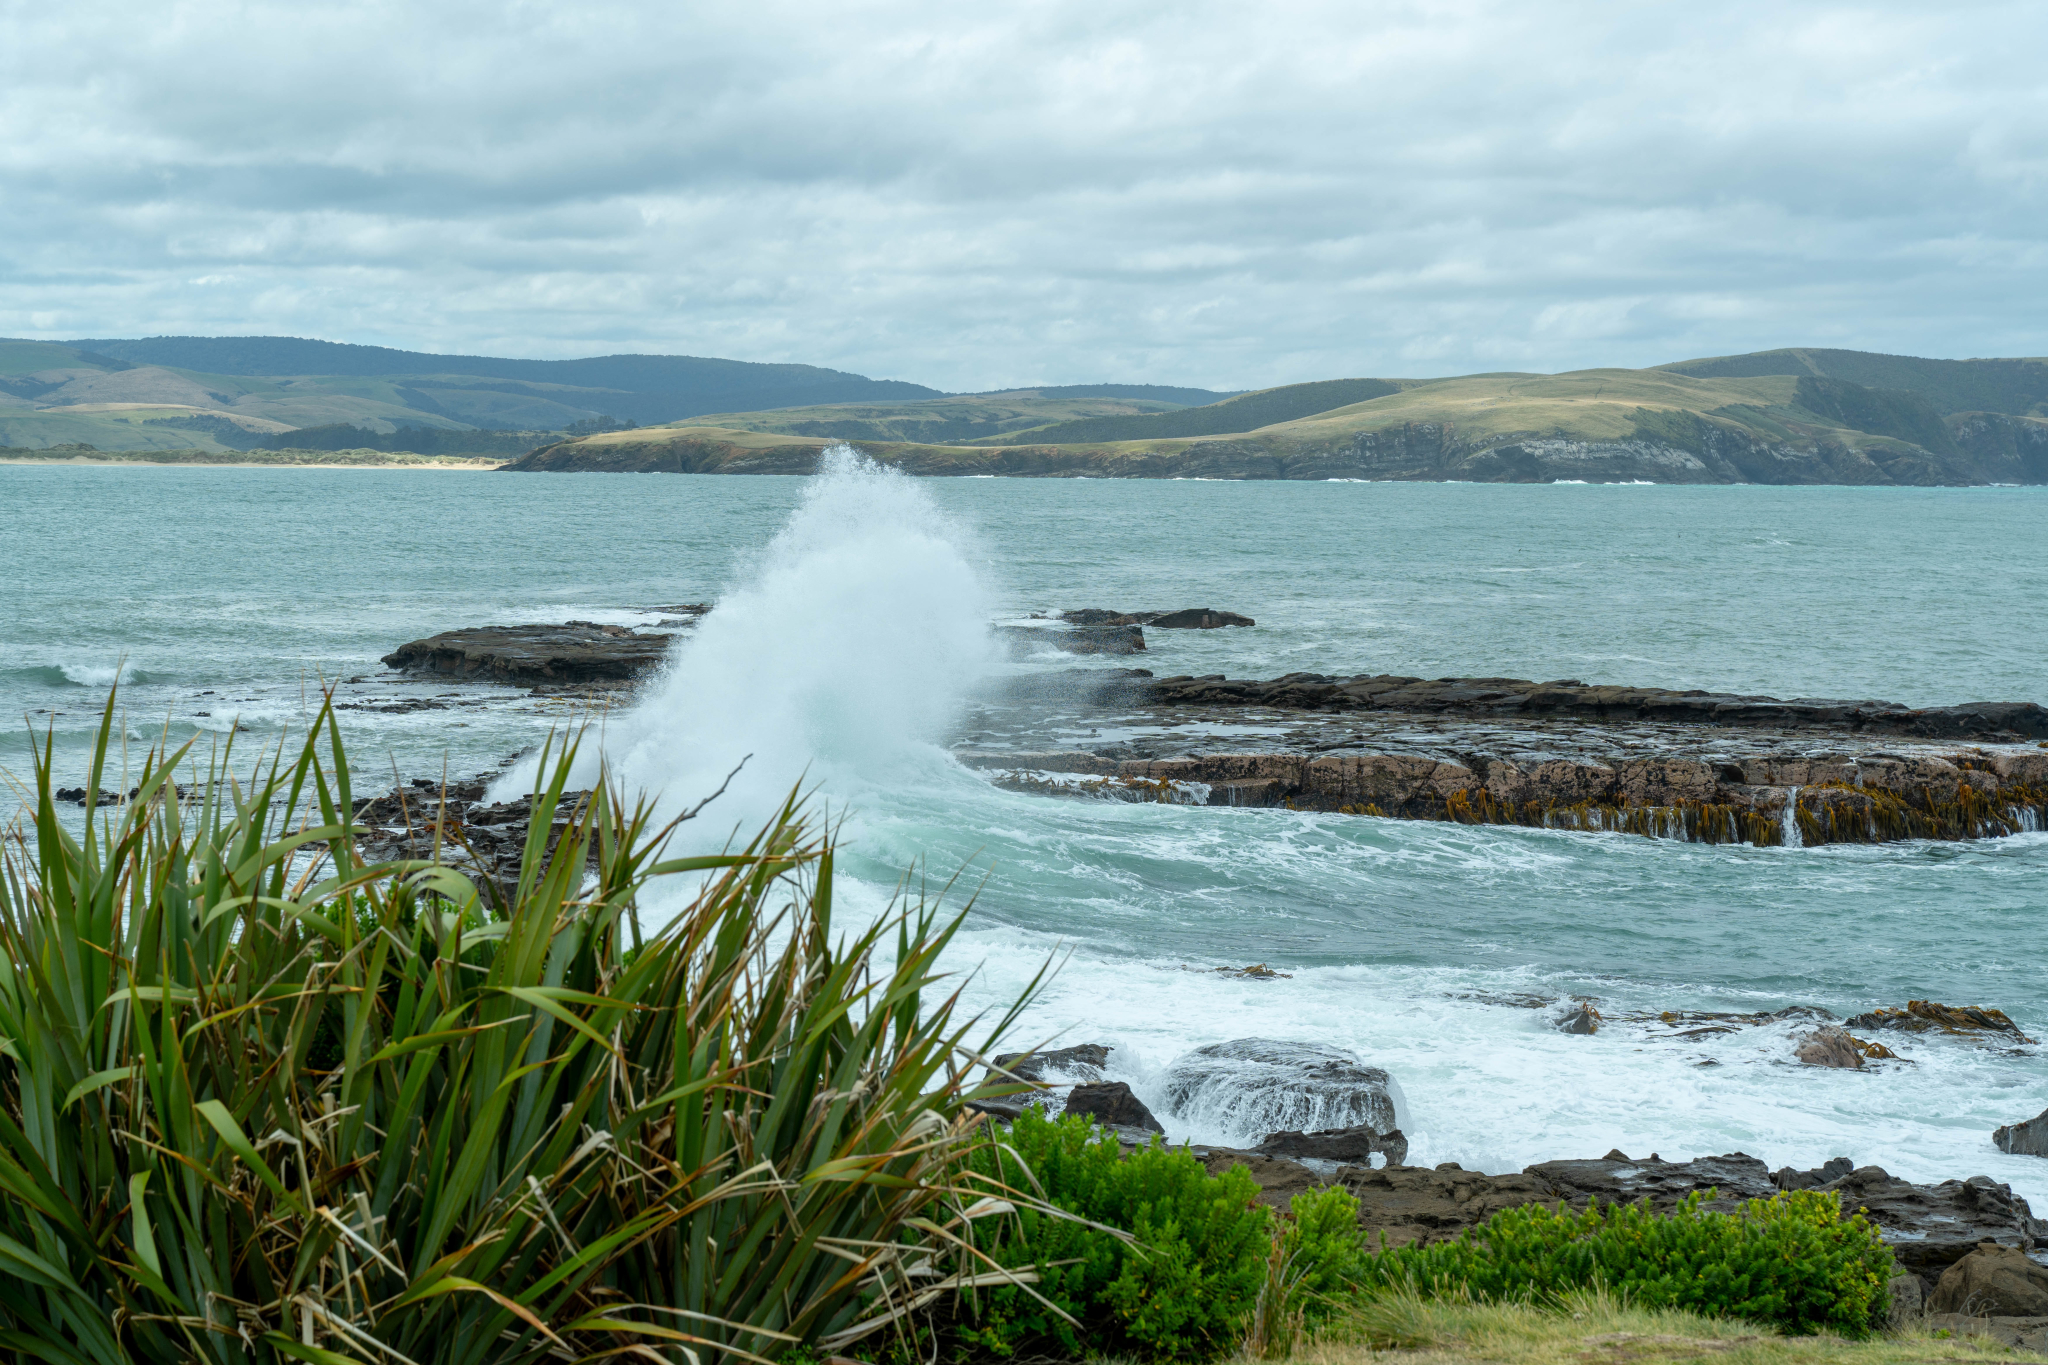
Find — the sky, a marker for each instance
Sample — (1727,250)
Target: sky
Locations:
(1227,195)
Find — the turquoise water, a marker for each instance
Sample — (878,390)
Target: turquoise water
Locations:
(852,622)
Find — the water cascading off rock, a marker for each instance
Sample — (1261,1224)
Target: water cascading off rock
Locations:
(1250,1087)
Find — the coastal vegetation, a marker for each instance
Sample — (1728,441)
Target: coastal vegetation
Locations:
(262,1100)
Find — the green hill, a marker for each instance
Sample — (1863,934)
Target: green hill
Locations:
(991,417)
(2017,387)
(1657,425)
(1248,412)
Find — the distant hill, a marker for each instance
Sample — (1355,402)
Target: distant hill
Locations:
(1246,413)
(643,388)
(2018,387)
(998,416)
(1598,426)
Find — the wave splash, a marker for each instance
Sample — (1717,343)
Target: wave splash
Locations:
(844,657)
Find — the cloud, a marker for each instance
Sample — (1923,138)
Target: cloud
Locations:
(970,197)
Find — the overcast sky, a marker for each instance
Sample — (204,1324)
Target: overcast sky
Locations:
(970,196)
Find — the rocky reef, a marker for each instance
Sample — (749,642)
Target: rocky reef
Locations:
(1700,766)
(529,655)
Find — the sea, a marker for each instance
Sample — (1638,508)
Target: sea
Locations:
(850,646)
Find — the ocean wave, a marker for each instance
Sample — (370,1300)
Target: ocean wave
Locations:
(79,675)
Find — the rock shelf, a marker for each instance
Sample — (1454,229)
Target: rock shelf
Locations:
(1703,767)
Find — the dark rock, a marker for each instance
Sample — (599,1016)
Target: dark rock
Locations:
(1581,1018)
(1354,1146)
(2024,1139)
(1909,1297)
(1199,618)
(455,826)
(1521,698)
(1193,618)
(1113,638)
(1993,1281)
(1113,1103)
(1083,1063)
(574,652)
(1785,1178)
(1931,1227)
(1928,1016)
(1829,1046)
(1265,1085)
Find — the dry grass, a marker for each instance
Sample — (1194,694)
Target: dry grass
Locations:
(1595,1329)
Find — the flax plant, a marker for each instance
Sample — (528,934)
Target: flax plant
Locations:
(260,1100)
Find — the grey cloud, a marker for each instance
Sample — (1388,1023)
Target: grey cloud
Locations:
(1210,193)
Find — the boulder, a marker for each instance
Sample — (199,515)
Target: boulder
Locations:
(1785,1178)
(1578,1017)
(1829,1046)
(1107,638)
(1353,1146)
(2024,1139)
(1113,1103)
(1263,1085)
(1929,1016)
(1993,1281)
(1083,1063)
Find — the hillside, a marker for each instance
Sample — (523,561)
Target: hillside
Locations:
(1657,425)
(2016,387)
(1248,412)
(991,417)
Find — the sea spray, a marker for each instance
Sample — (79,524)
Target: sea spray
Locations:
(839,661)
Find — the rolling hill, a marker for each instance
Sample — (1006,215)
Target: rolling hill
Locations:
(1662,425)
(240,393)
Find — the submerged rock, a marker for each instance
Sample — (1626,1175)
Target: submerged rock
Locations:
(1113,1103)
(2024,1139)
(1993,1281)
(1265,1085)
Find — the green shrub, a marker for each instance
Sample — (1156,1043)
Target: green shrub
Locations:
(1326,1250)
(255,1108)
(1790,1260)
(1181,1286)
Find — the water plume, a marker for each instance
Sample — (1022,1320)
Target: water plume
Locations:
(842,656)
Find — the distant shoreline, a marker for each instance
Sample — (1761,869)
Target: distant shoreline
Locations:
(458,465)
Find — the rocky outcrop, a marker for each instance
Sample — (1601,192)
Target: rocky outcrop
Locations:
(573,652)
(1975,1022)
(1993,1281)
(1521,699)
(1071,1064)
(1868,797)
(455,826)
(1929,1227)
(1111,1102)
(2024,1139)
(1356,1146)
(1265,1085)
(1192,618)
